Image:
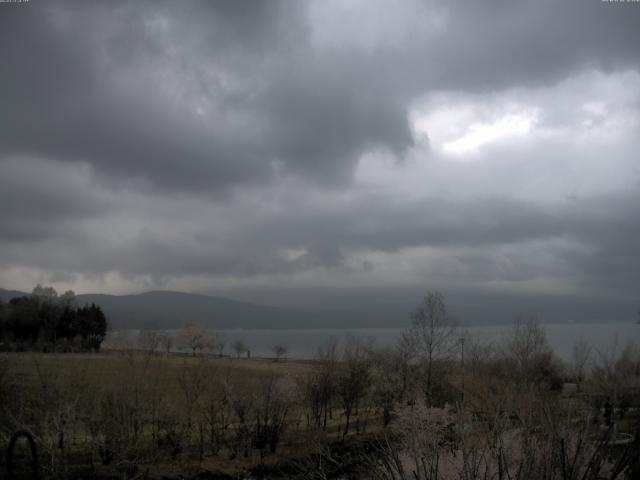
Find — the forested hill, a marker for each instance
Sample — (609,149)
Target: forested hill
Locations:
(6,295)
(174,309)
(163,309)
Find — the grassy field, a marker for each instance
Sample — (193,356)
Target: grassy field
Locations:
(129,414)
(135,403)
(31,368)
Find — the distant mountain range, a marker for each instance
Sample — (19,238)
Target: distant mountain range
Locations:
(166,309)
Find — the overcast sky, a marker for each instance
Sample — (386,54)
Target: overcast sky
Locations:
(323,152)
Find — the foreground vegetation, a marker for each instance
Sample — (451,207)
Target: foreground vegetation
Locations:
(436,405)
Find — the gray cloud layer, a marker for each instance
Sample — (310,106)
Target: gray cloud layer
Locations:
(234,146)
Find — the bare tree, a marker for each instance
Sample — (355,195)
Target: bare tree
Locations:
(195,338)
(191,380)
(604,368)
(149,341)
(68,299)
(385,385)
(319,384)
(415,447)
(216,412)
(354,378)
(45,294)
(393,376)
(528,436)
(404,354)
(216,344)
(165,341)
(241,401)
(279,350)
(617,373)
(239,347)
(117,417)
(531,356)
(581,355)
(434,334)
(272,401)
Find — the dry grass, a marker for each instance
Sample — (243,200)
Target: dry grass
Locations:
(49,380)
(31,368)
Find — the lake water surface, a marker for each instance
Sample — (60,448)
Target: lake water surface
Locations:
(603,337)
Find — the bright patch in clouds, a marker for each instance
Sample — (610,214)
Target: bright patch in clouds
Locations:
(464,129)
(585,107)
(480,134)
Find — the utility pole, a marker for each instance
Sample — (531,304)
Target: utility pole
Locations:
(462,361)
(462,410)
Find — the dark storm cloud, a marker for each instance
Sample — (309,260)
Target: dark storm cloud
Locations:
(39,198)
(131,133)
(102,100)
(496,44)
(604,228)
(614,229)
(118,85)
(387,225)
(326,238)
(64,99)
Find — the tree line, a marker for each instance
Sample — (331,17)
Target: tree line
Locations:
(47,321)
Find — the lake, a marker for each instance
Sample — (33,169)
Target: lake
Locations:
(603,337)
